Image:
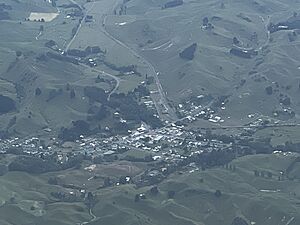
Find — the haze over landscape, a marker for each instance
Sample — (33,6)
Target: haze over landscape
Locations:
(156,112)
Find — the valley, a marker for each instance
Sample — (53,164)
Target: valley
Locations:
(149,112)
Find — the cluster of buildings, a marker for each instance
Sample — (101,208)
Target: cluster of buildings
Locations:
(191,111)
(169,143)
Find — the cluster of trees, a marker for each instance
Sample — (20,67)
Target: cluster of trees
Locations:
(147,158)
(4,6)
(292,36)
(98,113)
(4,14)
(290,146)
(6,104)
(77,13)
(65,197)
(291,24)
(142,91)
(285,100)
(70,5)
(84,53)
(239,221)
(244,17)
(95,94)
(53,2)
(205,160)
(189,52)
(259,146)
(50,44)
(53,93)
(122,69)
(267,174)
(3,169)
(127,104)
(122,11)
(173,3)
(35,20)
(235,41)
(39,164)
(206,24)
(201,100)
(269,90)
(56,92)
(90,200)
(131,110)
(79,127)
(230,167)
(247,54)
(62,58)
(32,164)
(218,102)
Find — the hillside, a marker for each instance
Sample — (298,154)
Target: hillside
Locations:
(218,28)
(188,197)
(149,112)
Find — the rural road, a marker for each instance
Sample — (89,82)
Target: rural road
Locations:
(92,219)
(80,23)
(160,101)
(117,79)
(268,34)
(161,104)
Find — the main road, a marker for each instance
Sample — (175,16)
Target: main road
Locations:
(164,110)
(117,79)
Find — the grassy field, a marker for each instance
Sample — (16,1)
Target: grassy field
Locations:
(280,135)
(161,34)
(259,200)
(146,32)
(21,75)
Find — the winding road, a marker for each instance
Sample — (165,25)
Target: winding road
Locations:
(161,104)
(117,79)
(91,220)
(80,23)
(164,110)
(266,24)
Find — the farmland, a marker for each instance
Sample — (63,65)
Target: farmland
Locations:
(149,112)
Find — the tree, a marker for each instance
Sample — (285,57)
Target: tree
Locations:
(269,90)
(107,182)
(18,53)
(122,180)
(90,200)
(205,21)
(286,101)
(68,87)
(234,168)
(154,190)
(295,14)
(235,41)
(38,91)
(270,175)
(137,198)
(239,221)
(189,52)
(53,181)
(171,194)
(72,94)
(218,193)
